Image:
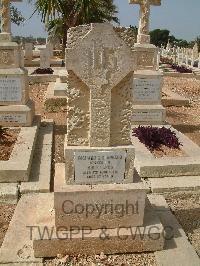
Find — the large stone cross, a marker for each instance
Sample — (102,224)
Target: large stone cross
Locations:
(101,60)
(6,16)
(143,30)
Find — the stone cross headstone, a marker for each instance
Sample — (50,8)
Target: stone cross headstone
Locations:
(6,16)
(49,46)
(143,30)
(101,63)
(44,58)
(29,51)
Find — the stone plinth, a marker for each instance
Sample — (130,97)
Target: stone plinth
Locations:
(28,52)
(15,107)
(148,115)
(44,58)
(145,56)
(97,206)
(17,115)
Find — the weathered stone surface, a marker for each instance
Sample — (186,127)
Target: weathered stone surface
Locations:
(120,240)
(40,174)
(15,107)
(17,115)
(148,114)
(13,87)
(44,58)
(9,193)
(146,56)
(101,60)
(21,252)
(177,250)
(174,99)
(114,197)
(17,168)
(175,184)
(147,87)
(121,205)
(29,51)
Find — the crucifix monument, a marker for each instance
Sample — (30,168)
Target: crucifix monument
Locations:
(143,30)
(147,82)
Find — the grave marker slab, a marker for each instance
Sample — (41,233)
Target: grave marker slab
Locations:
(100,167)
(13,118)
(146,90)
(10,89)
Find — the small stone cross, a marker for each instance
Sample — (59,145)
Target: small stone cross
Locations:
(5,16)
(143,31)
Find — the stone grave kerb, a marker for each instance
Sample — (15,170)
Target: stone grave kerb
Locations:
(101,60)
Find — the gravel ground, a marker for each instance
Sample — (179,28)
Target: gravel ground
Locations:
(144,259)
(6,213)
(186,207)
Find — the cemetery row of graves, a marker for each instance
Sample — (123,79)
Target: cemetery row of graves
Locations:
(99,152)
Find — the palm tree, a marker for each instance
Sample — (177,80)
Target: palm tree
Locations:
(60,15)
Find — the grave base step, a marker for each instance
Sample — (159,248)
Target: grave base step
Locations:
(17,115)
(149,237)
(148,114)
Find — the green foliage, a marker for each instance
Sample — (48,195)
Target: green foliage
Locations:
(159,37)
(60,15)
(16,16)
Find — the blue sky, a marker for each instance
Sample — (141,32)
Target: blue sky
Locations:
(181,17)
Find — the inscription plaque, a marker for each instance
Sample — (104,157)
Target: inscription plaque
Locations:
(147,116)
(99,167)
(13,118)
(10,90)
(146,89)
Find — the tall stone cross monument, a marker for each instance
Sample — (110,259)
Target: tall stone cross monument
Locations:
(147,84)
(143,31)
(6,17)
(16,109)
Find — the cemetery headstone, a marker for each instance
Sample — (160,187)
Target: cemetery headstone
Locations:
(29,51)
(44,58)
(147,82)
(15,107)
(99,157)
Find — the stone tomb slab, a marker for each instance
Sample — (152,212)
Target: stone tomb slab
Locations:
(92,165)
(120,204)
(149,166)
(18,167)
